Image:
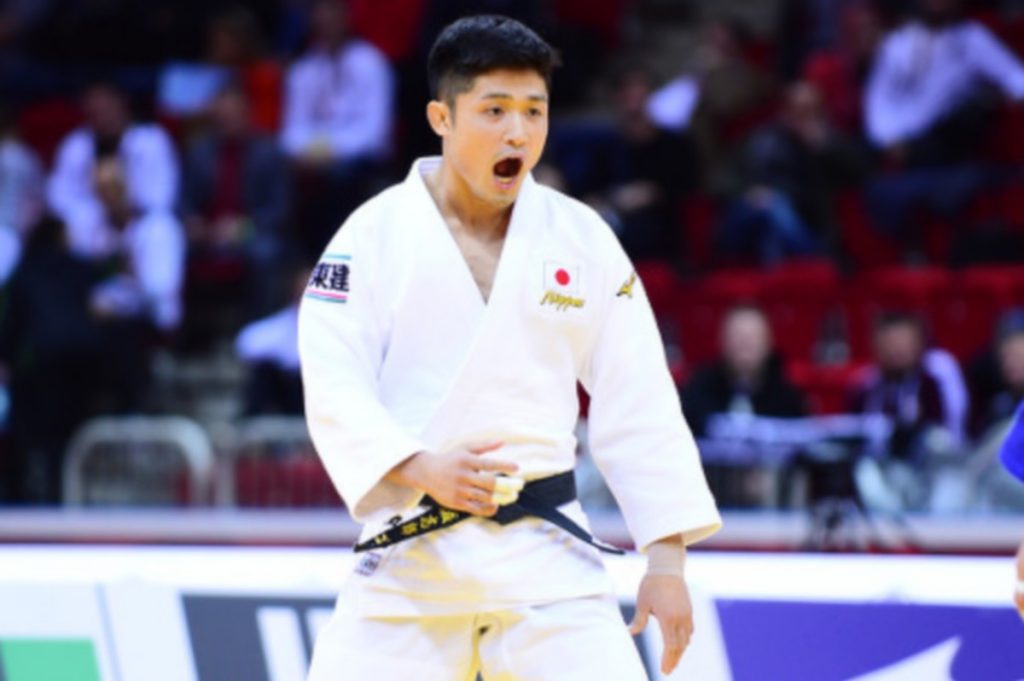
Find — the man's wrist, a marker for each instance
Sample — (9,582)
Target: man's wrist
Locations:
(408,473)
(667,557)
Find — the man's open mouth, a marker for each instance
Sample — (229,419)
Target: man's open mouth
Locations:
(508,168)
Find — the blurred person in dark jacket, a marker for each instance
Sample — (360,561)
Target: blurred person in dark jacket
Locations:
(632,170)
(52,352)
(997,375)
(899,386)
(788,173)
(897,473)
(747,378)
(235,196)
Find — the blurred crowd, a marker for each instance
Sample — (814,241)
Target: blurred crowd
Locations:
(170,170)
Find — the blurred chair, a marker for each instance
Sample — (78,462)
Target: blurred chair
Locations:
(861,242)
(922,291)
(798,297)
(138,460)
(702,305)
(980,295)
(828,387)
(272,463)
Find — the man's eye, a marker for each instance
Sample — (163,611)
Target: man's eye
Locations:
(536,113)
(494,111)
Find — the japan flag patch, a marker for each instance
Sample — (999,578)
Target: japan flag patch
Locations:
(561,278)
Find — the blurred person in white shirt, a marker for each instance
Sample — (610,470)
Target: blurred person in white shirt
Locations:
(338,108)
(21,193)
(147,157)
(928,70)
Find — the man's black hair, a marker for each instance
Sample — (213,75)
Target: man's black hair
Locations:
(487,42)
(888,319)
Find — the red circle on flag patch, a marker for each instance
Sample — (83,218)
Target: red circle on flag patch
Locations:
(562,277)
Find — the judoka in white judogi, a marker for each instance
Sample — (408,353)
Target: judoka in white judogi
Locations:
(401,354)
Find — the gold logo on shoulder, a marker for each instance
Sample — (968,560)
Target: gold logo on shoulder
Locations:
(561,301)
(627,288)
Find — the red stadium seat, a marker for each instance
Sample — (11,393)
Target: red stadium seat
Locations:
(924,291)
(44,124)
(981,294)
(698,215)
(798,296)
(828,387)
(861,242)
(703,304)
(661,284)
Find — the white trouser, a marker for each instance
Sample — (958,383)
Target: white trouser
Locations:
(583,639)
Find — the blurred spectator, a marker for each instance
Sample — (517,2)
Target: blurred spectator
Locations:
(747,378)
(733,93)
(925,104)
(900,387)
(808,26)
(55,358)
(789,171)
(270,350)
(634,173)
(927,107)
(233,52)
(840,71)
(337,119)
(146,269)
(20,75)
(235,196)
(21,194)
(998,378)
(147,157)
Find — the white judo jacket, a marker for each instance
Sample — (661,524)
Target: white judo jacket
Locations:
(400,353)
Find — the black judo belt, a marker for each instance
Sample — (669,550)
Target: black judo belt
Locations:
(539,498)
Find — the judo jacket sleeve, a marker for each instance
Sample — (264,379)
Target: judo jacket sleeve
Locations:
(637,434)
(341,346)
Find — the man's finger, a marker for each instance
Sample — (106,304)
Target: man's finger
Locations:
(485,447)
(481,508)
(675,640)
(495,466)
(639,622)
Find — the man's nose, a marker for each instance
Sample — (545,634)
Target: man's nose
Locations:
(515,133)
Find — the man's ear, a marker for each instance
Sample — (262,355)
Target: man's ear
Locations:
(440,116)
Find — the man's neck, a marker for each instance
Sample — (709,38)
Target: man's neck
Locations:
(460,207)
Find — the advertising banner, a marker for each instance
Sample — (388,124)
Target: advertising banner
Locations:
(253,614)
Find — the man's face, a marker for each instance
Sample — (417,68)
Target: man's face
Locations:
(746,342)
(496,132)
(1011,361)
(231,114)
(898,347)
(329,21)
(105,111)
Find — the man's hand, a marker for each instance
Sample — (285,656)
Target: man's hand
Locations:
(665,597)
(1019,593)
(462,480)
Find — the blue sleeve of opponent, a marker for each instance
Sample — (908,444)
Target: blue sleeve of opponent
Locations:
(1012,453)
